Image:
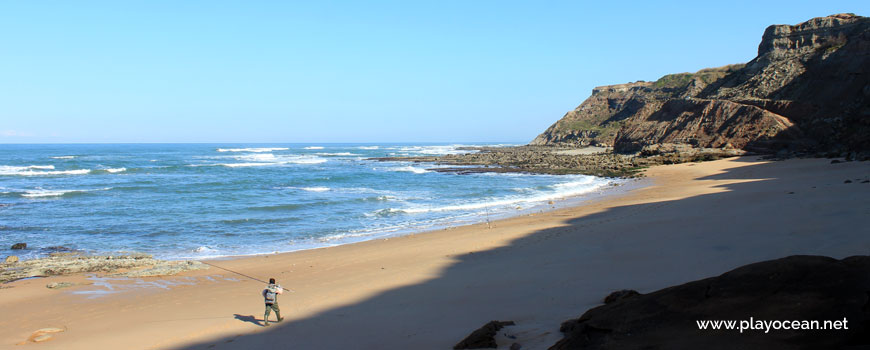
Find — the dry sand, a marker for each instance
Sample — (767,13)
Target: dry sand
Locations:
(429,290)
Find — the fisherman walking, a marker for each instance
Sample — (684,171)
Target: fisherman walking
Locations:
(270,294)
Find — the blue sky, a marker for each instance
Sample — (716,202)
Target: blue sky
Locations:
(335,71)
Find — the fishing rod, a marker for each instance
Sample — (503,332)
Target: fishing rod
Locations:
(244,275)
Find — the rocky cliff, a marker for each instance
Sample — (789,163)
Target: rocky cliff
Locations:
(807,90)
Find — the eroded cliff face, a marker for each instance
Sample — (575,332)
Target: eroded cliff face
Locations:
(807,90)
(599,118)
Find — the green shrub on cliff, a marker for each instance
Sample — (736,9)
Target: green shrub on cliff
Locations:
(673,81)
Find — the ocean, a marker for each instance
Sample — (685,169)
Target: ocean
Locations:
(197,201)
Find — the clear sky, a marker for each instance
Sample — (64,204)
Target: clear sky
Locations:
(348,71)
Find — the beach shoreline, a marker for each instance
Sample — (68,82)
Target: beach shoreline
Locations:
(430,289)
(611,190)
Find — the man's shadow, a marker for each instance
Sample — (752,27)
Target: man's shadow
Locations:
(250,319)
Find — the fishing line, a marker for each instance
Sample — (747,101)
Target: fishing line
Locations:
(241,274)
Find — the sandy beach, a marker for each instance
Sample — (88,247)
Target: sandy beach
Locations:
(430,290)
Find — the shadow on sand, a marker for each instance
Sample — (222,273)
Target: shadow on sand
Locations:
(556,274)
(249,319)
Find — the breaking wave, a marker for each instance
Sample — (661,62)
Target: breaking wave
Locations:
(38,193)
(254,150)
(584,185)
(38,170)
(339,154)
(409,169)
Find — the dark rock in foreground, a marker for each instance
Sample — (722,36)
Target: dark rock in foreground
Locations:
(484,337)
(793,288)
(19,246)
(620,295)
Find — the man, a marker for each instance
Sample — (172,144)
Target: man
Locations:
(270,294)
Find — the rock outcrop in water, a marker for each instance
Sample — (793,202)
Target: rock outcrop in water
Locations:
(130,265)
(808,90)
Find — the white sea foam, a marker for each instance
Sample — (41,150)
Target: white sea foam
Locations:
(47,193)
(433,150)
(409,169)
(359,234)
(12,168)
(63,157)
(314,147)
(31,170)
(204,249)
(584,185)
(307,160)
(116,170)
(254,150)
(339,154)
(369,147)
(314,189)
(263,157)
(37,193)
(255,160)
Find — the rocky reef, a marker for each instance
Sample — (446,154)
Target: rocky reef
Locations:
(128,264)
(807,91)
(559,160)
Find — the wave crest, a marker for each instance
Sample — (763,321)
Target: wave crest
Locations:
(34,170)
(254,150)
(39,193)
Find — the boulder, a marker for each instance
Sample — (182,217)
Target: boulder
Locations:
(19,246)
(620,295)
(59,285)
(793,288)
(11,259)
(483,337)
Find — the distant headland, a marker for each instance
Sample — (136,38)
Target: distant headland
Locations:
(805,94)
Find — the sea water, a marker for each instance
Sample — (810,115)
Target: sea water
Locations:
(179,201)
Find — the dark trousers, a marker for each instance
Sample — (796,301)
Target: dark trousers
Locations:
(269,308)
